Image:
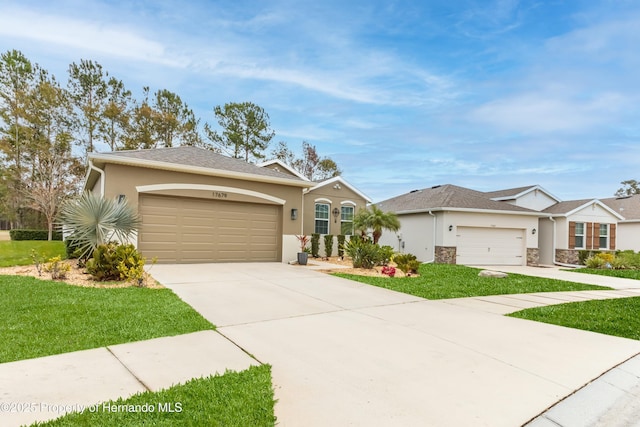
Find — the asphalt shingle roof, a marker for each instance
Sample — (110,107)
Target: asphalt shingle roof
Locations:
(199,157)
(564,207)
(509,192)
(446,196)
(628,207)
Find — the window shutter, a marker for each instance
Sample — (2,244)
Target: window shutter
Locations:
(596,235)
(612,237)
(572,235)
(589,244)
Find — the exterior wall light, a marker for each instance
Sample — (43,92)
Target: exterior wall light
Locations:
(533,231)
(335,213)
(451,228)
(294,213)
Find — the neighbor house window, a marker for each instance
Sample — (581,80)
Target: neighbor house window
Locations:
(346,220)
(322,218)
(604,236)
(580,235)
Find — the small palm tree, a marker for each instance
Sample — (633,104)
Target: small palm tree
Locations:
(376,220)
(94,220)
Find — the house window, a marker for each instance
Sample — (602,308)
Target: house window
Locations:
(346,220)
(579,235)
(604,236)
(322,218)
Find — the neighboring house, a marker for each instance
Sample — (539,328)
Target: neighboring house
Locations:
(576,225)
(628,232)
(199,206)
(456,225)
(518,226)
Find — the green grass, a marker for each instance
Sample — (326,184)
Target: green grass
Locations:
(19,252)
(41,318)
(626,274)
(234,399)
(617,317)
(440,281)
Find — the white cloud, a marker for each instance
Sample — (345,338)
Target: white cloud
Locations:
(88,35)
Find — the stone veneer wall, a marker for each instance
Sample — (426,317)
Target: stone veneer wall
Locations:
(445,254)
(567,256)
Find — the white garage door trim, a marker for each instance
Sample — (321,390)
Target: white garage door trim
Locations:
(207,187)
(490,246)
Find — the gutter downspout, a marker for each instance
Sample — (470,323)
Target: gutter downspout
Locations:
(433,240)
(101,172)
(554,248)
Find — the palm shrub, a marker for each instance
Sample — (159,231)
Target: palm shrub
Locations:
(95,220)
(363,253)
(408,263)
(376,220)
(328,245)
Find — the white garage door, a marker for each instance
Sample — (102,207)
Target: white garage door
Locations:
(184,230)
(490,246)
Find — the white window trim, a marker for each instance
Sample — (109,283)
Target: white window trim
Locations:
(608,236)
(583,235)
(328,219)
(351,222)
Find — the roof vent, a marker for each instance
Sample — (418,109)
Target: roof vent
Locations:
(413,191)
(622,197)
(436,186)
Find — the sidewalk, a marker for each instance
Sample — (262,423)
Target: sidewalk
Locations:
(47,387)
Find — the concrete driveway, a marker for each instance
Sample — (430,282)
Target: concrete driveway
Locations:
(345,353)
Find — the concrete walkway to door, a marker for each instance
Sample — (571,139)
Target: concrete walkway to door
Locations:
(345,353)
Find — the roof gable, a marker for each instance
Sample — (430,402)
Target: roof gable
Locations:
(571,207)
(280,164)
(338,180)
(515,193)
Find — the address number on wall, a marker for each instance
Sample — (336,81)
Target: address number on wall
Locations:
(219,195)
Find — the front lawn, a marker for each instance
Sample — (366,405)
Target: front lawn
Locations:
(440,281)
(233,399)
(18,252)
(625,274)
(41,318)
(617,317)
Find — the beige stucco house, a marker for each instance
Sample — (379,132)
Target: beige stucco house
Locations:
(199,206)
(517,226)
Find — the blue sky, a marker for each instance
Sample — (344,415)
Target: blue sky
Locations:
(402,94)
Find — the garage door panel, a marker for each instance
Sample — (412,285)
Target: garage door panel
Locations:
(489,246)
(177,229)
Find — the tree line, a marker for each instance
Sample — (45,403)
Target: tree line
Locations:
(47,128)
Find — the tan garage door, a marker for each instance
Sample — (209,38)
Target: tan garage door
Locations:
(185,230)
(489,246)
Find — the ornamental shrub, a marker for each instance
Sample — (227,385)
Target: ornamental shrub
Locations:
(315,245)
(385,255)
(363,253)
(27,234)
(595,262)
(113,261)
(407,262)
(328,245)
(57,268)
(341,238)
